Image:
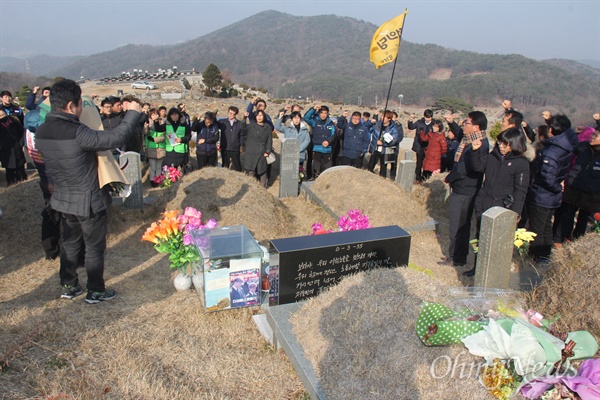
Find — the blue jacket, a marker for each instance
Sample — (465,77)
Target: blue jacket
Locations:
(356,138)
(290,132)
(210,134)
(549,170)
(376,135)
(323,130)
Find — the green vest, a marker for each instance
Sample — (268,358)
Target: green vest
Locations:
(153,145)
(180,147)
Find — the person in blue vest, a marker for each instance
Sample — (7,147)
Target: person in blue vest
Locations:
(9,107)
(323,133)
(356,138)
(178,137)
(207,133)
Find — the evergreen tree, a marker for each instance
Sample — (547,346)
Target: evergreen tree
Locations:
(212,76)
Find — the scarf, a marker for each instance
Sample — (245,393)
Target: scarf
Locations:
(466,140)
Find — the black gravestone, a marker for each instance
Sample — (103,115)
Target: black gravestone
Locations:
(309,264)
(130,165)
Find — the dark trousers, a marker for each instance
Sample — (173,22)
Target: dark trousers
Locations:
(320,162)
(353,162)
(232,158)
(540,223)
(50,218)
(205,160)
(419,166)
(381,158)
(563,223)
(309,158)
(91,232)
(460,212)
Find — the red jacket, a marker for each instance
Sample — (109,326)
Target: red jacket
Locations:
(433,153)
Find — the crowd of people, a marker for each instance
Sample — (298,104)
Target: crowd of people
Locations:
(548,176)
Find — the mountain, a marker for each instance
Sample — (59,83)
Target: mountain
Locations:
(575,67)
(327,57)
(40,65)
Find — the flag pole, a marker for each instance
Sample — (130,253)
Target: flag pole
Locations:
(391,80)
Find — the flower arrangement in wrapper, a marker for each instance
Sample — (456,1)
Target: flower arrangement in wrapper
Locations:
(171,235)
(169,176)
(353,220)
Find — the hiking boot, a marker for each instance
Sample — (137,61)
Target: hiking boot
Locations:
(97,297)
(68,291)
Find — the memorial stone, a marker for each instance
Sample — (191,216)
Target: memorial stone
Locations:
(496,243)
(290,160)
(130,165)
(406,175)
(307,265)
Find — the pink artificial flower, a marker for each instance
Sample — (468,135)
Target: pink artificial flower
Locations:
(195,222)
(187,239)
(183,219)
(211,224)
(192,212)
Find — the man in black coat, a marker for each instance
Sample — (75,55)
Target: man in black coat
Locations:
(423,125)
(69,150)
(465,183)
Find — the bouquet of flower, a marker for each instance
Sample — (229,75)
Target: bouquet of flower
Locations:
(521,241)
(171,235)
(353,220)
(169,176)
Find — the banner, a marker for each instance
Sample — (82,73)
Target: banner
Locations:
(386,41)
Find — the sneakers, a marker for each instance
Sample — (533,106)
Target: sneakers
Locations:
(97,297)
(68,291)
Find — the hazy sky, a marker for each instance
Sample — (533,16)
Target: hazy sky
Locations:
(538,29)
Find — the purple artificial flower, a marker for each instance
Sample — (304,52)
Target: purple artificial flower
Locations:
(194,223)
(586,383)
(211,224)
(187,239)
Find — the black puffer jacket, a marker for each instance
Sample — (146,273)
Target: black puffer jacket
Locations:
(421,127)
(504,176)
(69,150)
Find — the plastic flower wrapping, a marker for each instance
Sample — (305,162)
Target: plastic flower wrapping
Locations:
(521,349)
(353,220)
(169,176)
(172,235)
(521,241)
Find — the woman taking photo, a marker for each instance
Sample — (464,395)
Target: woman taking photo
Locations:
(506,176)
(259,140)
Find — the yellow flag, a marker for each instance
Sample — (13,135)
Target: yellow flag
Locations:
(386,41)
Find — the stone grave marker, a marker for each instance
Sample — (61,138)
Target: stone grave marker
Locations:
(406,175)
(290,160)
(307,265)
(496,243)
(130,165)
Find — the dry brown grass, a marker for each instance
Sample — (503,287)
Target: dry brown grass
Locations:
(360,337)
(571,287)
(153,342)
(150,342)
